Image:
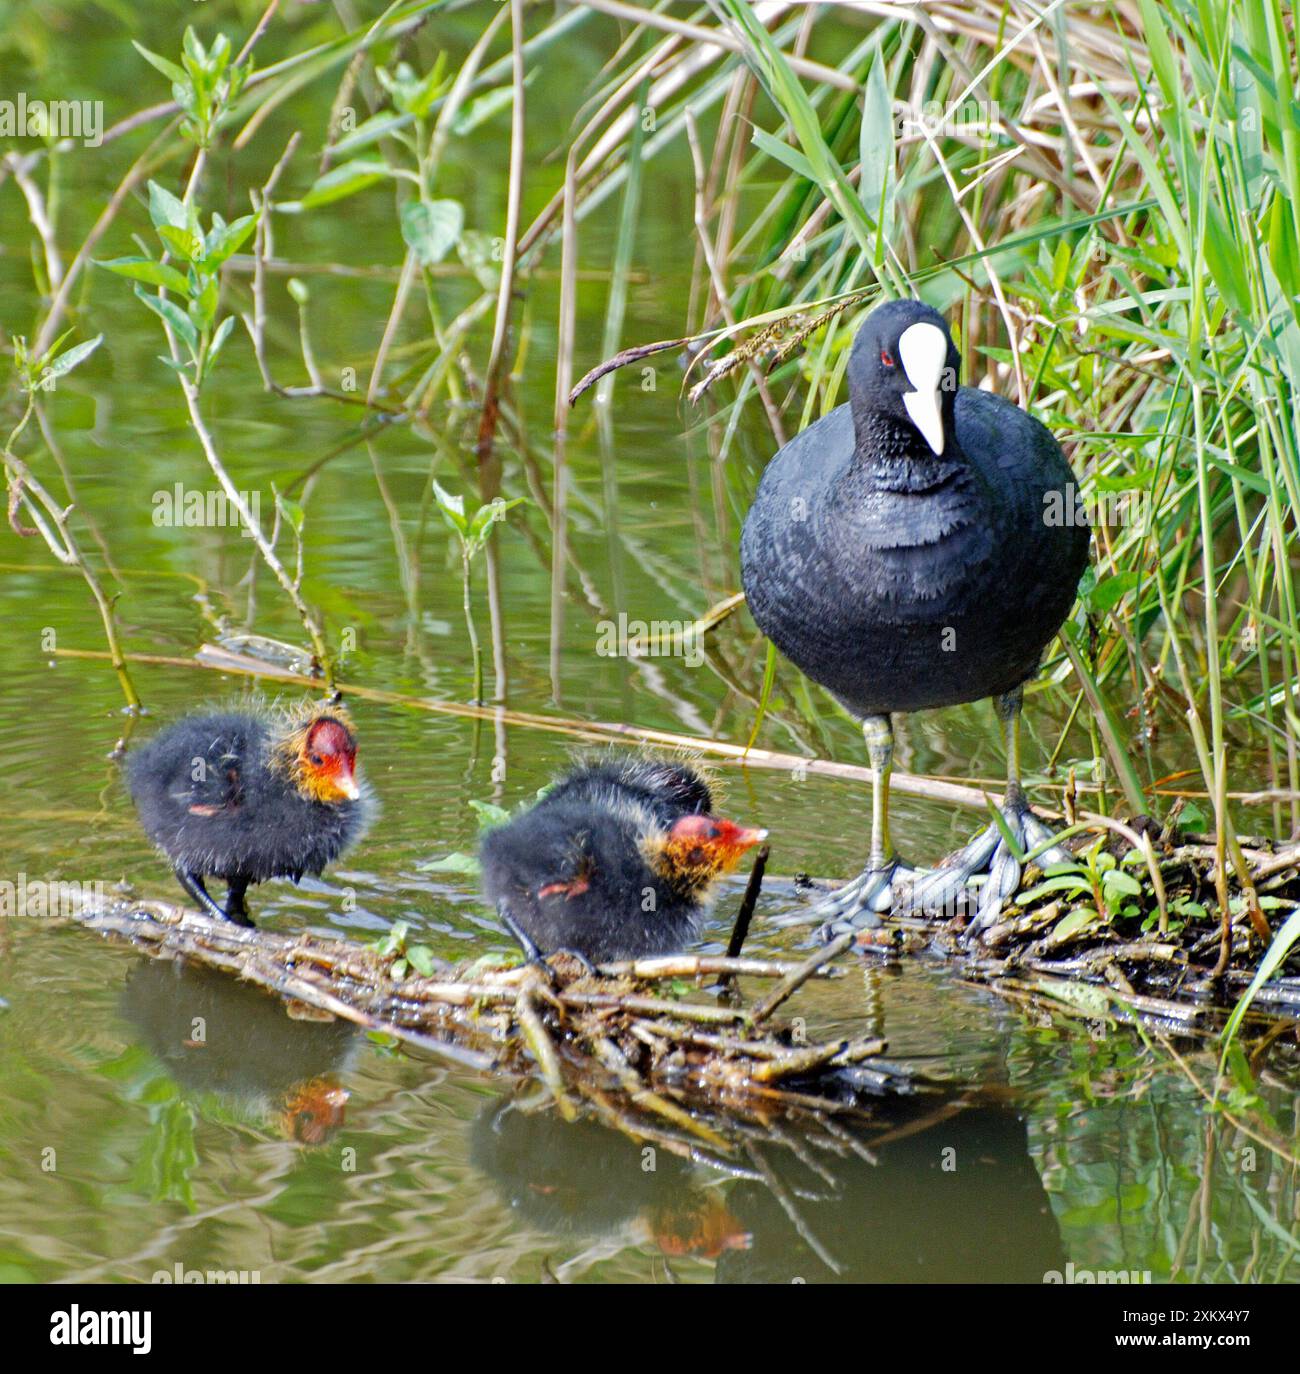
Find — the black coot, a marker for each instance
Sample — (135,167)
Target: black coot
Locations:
(916,548)
(248,795)
(619,860)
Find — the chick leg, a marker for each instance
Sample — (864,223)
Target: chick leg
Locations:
(193,884)
(532,954)
(236,909)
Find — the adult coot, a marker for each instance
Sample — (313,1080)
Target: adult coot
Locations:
(909,551)
(248,795)
(620,859)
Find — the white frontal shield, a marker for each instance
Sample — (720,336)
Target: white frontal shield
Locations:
(923,351)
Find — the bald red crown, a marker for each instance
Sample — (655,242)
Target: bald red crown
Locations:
(329,739)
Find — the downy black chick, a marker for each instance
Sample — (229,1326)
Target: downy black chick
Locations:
(247,795)
(618,861)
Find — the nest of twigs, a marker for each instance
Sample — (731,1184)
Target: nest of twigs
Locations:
(642,1043)
(1156,954)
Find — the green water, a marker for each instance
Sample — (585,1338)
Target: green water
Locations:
(125,1151)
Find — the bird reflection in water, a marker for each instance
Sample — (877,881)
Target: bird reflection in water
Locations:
(933,1190)
(216,1036)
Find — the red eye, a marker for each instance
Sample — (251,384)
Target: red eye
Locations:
(886,357)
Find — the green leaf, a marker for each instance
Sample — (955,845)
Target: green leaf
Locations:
(480,253)
(422,960)
(173,315)
(169,69)
(218,340)
(1268,966)
(227,240)
(1079,919)
(453,863)
(371,131)
(876,183)
(397,970)
(1160,53)
(452,508)
(1110,591)
(489,813)
(482,108)
(291,511)
(164,208)
(414,94)
(1008,838)
(219,54)
(431,228)
(339,182)
(487,515)
(203,303)
(771,66)
(65,362)
(784,154)
(1068,883)
(185,243)
(148,271)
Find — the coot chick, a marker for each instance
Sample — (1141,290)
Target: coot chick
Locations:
(908,551)
(619,860)
(249,795)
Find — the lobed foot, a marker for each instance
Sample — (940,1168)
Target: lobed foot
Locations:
(859,903)
(941,892)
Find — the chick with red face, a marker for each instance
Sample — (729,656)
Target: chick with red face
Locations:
(248,795)
(621,859)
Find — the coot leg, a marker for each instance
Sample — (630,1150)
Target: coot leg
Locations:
(938,891)
(193,884)
(855,905)
(236,908)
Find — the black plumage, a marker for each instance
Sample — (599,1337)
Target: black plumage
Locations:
(900,579)
(249,795)
(917,547)
(618,860)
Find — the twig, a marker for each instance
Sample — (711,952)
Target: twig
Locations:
(51,522)
(539,1041)
(743,917)
(795,980)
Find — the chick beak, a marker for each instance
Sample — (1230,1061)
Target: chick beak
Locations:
(923,351)
(744,837)
(347,785)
